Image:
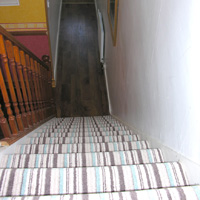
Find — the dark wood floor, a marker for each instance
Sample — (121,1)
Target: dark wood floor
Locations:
(78,1)
(81,89)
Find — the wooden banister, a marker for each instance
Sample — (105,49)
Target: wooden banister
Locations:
(6,69)
(8,36)
(25,86)
(12,65)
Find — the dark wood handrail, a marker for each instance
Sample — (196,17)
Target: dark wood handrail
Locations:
(9,36)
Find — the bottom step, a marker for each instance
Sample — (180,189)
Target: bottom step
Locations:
(57,181)
(179,193)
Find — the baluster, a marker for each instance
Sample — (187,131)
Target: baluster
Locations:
(36,89)
(45,58)
(4,125)
(39,88)
(23,88)
(25,72)
(45,72)
(42,90)
(11,117)
(45,90)
(12,65)
(51,93)
(49,88)
(11,120)
(33,92)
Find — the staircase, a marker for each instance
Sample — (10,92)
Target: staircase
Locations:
(90,158)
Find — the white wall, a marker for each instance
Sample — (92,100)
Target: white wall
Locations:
(154,71)
(54,14)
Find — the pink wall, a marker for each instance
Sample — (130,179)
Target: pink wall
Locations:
(38,44)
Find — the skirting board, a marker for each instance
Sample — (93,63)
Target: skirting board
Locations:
(107,88)
(57,43)
(192,169)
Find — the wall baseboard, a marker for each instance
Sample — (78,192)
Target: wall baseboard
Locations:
(57,43)
(192,169)
(107,88)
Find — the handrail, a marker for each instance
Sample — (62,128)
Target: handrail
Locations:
(21,46)
(25,85)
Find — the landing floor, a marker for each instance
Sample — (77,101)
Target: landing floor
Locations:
(81,89)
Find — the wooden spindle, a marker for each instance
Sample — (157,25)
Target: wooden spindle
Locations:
(11,117)
(33,93)
(4,125)
(25,73)
(45,74)
(38,111)
(49,88)
(39,89)
(42,90)
(13,70)
(11,89)
(36,90)
(23,88)
(47,61)
(51,92)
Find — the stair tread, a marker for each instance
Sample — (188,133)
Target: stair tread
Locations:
(90,158)
(78,148)
(90,179)
(172,193)
(83,129)
(92,139)
(85,124)
(81,134)
(82,159)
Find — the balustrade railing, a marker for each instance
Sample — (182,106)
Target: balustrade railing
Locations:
(25,87)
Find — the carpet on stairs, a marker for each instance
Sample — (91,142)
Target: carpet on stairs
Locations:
(90,158)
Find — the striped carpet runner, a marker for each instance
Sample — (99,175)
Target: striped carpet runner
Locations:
(90,158)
